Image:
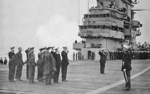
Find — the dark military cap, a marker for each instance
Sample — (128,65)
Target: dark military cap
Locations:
(57,48)
(52,47)
(64,47)
(31,48)
(41,49)
(48,48)
(19,48)
(44,48)
(12,47)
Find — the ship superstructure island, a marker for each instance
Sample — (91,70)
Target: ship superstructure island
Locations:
(108,25)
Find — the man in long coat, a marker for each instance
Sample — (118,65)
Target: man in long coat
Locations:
(58,61)
(103,58)
(31,64)
(64,64)
(19,64)
(49,66)
(126,66)
(40,66)
(12,64)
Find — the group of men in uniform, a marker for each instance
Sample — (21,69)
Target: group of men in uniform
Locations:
(15,64)
(48,64)
(137,54)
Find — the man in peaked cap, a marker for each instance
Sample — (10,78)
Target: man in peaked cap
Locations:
(31,63)
(126,65)
(49,66)
(40,66)
(20,64)
(103,58)
(12,64)
(58,62)
(65,63)
(27,66)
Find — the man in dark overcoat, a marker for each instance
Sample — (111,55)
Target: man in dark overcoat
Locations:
(64,64)
(31,64)
(58,62)
(40,64)
(20,64)
(12,64)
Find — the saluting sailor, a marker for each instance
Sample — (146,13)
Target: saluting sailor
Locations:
(103,58)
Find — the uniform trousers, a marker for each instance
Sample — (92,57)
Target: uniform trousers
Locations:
(12,68)
(40,73)
(56,75)
(27,71)
(48,78)
(64,72)
(126,74)
(31,73)
(18,72)
(102,67)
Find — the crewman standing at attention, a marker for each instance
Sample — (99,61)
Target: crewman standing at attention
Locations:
(27,66)
(32,65)
(40,66)
(103,58)
(64,64)
(49,66)
(20,63)
(12,64)
(58,61)
(54,55)
(126,65)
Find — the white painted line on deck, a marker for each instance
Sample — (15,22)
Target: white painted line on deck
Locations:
(100,90)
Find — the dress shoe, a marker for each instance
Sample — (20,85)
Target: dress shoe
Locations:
(65,80)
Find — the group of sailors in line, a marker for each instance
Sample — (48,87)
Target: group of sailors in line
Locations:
(136,55)
(48,64)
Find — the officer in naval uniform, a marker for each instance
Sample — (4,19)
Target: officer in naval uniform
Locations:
(103,58)
(40,66)
(32,65)
(65,63)
(49,66)
(27,66)
(126,65)
(20,64)
(12,64)
(58,62)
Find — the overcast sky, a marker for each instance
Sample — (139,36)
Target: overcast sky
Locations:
(41,23)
